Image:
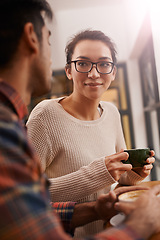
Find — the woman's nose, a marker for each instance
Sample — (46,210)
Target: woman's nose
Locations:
(93,73)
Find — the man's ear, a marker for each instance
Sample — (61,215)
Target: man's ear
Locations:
(68,72)
(31,37)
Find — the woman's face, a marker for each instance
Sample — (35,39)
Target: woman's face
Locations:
(90,85)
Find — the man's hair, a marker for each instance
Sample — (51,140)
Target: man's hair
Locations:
(89,35)
(14,14)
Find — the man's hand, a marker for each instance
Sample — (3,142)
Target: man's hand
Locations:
(102,209)
(114,165)
(143,215)
(104,205)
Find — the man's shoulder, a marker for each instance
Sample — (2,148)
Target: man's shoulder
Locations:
(7,115)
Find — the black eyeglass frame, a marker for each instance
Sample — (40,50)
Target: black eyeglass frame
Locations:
(75,61)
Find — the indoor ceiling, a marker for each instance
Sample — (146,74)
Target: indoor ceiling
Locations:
(59,5)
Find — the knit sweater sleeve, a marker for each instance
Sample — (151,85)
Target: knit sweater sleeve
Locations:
(73,186)
(39,138)
(87,180)
(130,178)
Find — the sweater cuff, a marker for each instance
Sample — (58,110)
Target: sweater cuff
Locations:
(65,211)
(130,178)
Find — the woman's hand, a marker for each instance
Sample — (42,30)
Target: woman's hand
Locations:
(114,165)
(146,169)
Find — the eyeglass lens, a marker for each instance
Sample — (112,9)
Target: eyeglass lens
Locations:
(86,66)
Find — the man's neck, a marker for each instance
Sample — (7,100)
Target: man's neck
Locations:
(17,79)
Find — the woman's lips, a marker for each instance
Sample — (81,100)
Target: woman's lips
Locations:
(95,84)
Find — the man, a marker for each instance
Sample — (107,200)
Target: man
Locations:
(25,70)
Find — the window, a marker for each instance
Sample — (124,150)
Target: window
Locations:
(151,103)
(118,93)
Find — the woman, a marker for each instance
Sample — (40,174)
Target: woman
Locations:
(79,138)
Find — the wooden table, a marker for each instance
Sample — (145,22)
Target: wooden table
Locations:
(145,184)
(149,184)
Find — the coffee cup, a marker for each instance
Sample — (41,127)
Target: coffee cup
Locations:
(131,196)
(125,197)
(137,157)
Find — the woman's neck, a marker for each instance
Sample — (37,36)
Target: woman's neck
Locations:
(82,109)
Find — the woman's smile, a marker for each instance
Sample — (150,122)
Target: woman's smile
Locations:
(93,84)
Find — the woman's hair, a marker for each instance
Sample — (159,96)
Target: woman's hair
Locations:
(14,14)
(89,35)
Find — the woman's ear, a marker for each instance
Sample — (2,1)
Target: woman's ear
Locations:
(114,71)
(68,72)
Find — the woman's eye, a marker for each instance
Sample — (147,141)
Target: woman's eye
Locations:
(105,64)
(82,64)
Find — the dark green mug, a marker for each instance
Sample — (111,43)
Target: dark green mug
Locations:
(137,157)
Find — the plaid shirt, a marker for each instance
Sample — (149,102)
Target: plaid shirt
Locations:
(24,197)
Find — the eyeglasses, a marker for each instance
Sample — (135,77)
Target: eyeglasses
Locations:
(103,67)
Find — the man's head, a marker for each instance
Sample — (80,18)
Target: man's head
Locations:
(25,54)
(14,14)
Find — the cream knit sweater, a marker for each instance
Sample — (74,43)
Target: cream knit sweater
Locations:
(72,153)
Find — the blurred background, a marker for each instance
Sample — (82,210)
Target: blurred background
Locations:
(134,27)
